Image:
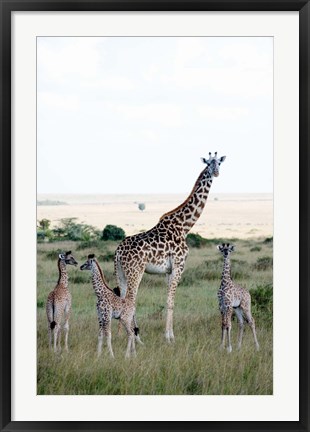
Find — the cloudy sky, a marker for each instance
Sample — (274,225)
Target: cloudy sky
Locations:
(135,114)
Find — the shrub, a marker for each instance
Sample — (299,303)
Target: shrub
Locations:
(112,232)
(263,263)
(78,231)
(255,249)
(195,240)
(141,206)
(262,296)
(262,302)
(268,240)
(44,224)
(40,236)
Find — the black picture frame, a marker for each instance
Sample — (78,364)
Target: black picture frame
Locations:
(9,6)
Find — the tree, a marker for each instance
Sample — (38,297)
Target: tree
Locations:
(141,206)
(44,224)
(112,232)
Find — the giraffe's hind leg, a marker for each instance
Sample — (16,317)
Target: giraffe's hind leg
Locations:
(241,325)
(100,341)
(66,325)
(106,332)
(50,336)
(129,282)
(56,332)
(50,320)
(246,306)
(251,323)
(131,349)
(136,330)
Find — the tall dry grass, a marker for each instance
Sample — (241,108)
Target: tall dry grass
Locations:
(193,365)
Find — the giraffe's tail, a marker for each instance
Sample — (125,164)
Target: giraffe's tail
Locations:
(53,323)
(50,311)
(120,277)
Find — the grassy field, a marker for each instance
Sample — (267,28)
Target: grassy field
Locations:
(193,365)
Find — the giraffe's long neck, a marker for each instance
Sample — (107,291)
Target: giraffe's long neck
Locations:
(226,271)
(98,280)
(63,274)
(187,214)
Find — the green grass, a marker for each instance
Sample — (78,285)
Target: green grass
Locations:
(193,365)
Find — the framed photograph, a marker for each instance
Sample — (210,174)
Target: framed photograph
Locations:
(142,140)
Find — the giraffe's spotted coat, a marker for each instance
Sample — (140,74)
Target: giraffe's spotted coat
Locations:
(232,297)
(58,305)
(163,248)
(110,305)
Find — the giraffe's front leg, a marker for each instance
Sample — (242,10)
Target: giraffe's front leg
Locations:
(173,280)
(224,326)
(56,334)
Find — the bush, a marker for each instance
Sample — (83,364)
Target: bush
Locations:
(40,236)
(40,304)
(44,224)
(263,263)
(195,240)
(262,296)
(112,232)
(255,249)
(268,240)
(78,231)
(262,302)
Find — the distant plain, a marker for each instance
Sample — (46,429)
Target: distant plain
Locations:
(225,215)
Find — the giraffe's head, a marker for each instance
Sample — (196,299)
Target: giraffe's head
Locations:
(213,164)
(89,263)
(68,258)
(226,249)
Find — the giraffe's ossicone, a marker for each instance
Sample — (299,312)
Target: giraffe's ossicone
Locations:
(163,248)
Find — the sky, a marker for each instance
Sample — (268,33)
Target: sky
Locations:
(135,114)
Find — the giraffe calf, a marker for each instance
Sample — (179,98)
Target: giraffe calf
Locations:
(232,297)
(110,305)
(58,305)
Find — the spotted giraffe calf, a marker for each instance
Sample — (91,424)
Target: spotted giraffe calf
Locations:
(58,305)
(109,306)
(233,297)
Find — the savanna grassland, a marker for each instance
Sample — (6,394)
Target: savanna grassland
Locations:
(194,364)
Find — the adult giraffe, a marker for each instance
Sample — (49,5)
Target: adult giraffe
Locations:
(163,248)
